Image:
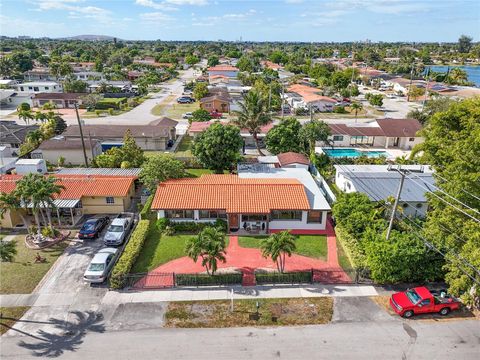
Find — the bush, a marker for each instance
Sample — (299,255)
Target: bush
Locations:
(107,103)
(340,110)
(110,111)
(98,112)
(204,279)
(352,248)
(162,224)
(222,224)
(284,278)
(146,213)
(129,255)
(49,232)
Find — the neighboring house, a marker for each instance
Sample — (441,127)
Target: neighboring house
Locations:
(225,70)
(293,160)
(88,75)
(61,100)
(134,74)
(386,133)
(8,159)
(155,136)
(222,80)
(125,86)
(251,202)
(303,96)
(216,103)
(71,150)
(83,194)
(13,134)
(38,74)
(36,87)
(378,183)
(271,65)
(9,97)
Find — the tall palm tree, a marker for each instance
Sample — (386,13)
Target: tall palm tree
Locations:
(277,246)
(40,116)
(26,115)
(457,76)
(356,106)
(253,114)
(312,132)
(209,245)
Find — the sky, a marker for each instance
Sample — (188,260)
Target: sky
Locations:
(249,20)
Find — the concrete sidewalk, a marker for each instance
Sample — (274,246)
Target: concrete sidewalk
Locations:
(189,294)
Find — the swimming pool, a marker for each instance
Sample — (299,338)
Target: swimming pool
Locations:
(353,153)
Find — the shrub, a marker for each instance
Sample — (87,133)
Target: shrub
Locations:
(129,255)
(284,278)
(107,103)
(162,224)
(146,213)
(204,279)
(49,232)
(98,112)
(352,247)
(110,111)
(340,110)
(222,224)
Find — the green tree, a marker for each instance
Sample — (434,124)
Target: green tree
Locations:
(60,125)
(131,151)
(213,60)
(91,100)
(415,92)
(375,99)
(312,132)
(8,250)
(457,76)
(200,90)
(452,147)
(356,107)
(284,137)
(209,246)
(201,115)
(191,59)
(75,86)
(218,147)
(11,202)
(464,44)
(7,67)
(159,168)
(277,246)
(252,115)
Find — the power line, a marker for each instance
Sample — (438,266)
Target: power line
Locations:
(465,191)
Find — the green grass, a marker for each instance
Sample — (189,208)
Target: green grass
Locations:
(9,317)
(22,275)
(175,111)
(159,250)
(314,246)
(198,172)
(184,149)
(217,314)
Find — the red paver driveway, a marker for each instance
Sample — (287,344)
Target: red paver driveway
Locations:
(247,260)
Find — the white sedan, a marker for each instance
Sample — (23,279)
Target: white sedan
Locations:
(101,265)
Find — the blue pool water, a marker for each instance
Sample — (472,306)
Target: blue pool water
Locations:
(349,152)
(473,72)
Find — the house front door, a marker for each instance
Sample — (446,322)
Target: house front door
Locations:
(233,221)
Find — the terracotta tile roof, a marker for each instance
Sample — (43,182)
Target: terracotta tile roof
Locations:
(222,68)
(271,65)
(77,186)
(292,158)
(231,193)
(399,127)
(309,94)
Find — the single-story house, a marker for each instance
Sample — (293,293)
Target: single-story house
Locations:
(218,103)
(251,202)
(378,183)
(270,65)
(83,194)
(154,136)
(7,159)
(13,134)
(293,160)
(36,87)
(386,133)
(303,96)
(61,100)
(226,70)
(70,149)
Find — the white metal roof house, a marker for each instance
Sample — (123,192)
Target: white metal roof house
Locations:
(36,87)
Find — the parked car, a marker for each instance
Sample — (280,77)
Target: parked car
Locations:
(92,228)
(420,300)
(215,114)
(185,100)
(187,92)
(118,230)
(101,265)
(187,115)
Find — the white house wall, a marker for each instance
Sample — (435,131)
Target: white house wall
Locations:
(298,225)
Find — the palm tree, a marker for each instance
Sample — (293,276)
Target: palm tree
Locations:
(11,202)
(277,246)
(34,137)
(8,250)
(457,76)
(252,115)
(209,245)
(312,132)
(39,116)
(356,106)
(25,115)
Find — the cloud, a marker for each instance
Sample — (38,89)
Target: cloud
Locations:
(156,17)
(188,2)
(293,1)
(75,11)
(156,5)
(381,6)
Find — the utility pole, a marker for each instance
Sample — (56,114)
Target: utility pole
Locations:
(283,99)
(81,135)
(411,80)
(403,173)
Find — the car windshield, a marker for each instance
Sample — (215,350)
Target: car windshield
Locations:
(88,226)
(413,296)
(96,267)
(115,228)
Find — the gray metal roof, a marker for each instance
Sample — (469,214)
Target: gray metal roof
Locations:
(59,204)
(99,171)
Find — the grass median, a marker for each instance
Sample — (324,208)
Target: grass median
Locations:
(9,316)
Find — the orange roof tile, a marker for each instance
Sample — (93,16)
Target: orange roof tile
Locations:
(222,68)
(309,94)
(77,186)
(231,193)
(292,158)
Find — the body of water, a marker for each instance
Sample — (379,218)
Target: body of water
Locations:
(473,72)
(353,153)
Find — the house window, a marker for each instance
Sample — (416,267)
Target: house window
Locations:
(314,217)
(254,217)
(179,214)
(337,137)
(36,88)
(29,88)
(287,215)
(21,88)
(110,200)
(207,105)
(419,205)
(212,214)
(411,139)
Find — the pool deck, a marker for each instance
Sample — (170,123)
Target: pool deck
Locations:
(393,153)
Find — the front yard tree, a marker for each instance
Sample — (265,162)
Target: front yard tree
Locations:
(8,250)
(191,59)
(213,60)
(277,246)
(132,153)
(209,246)
(375,99)
(11,202)
(312,132)
(415,92)
(200,90)
(252,115)
(201,115)
(356,107)
(218,147)
(160,168)
(284,137)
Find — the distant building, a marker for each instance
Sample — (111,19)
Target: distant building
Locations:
(71,150)
(13,134)
(61,100)
(36,87)
(225,70)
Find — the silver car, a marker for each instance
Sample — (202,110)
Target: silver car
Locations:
(101,265)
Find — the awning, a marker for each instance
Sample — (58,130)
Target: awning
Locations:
(59,204)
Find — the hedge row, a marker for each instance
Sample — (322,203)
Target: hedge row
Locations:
(352,248)
(146,213)
(205,279)
(108,103)
(284,278)
(190,227)
(129,255)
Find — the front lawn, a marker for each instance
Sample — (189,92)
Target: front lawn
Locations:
(272,312)
(184,149)
(175,111)
(9,316)
(159,250)
(314,246)
(22,275)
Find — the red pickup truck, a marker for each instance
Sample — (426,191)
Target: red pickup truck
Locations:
(420,300)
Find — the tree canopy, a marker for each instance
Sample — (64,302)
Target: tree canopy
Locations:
(284,137)
(160,168)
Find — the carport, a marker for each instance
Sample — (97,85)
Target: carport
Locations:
(68,211)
